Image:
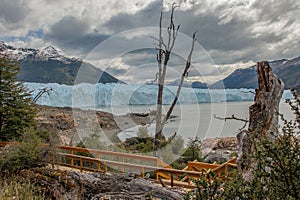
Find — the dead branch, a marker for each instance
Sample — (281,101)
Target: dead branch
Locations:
(232,118)
(184,74)
(41,93)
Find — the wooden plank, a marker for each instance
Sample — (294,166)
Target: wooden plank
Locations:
(203,165)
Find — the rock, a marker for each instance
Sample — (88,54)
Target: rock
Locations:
(216,157)
(222,145)
(65,140)
(229,143)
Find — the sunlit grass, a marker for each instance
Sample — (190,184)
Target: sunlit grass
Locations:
(19,188)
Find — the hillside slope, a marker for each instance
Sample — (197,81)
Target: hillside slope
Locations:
(287,70)
(48,66)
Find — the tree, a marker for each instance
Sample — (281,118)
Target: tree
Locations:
(163,56)
(263,115)
(17,111)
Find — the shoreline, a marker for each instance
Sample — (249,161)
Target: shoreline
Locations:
(71,123)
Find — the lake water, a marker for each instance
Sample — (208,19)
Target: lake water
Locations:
(196,120)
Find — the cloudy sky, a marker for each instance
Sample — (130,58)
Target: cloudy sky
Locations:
(115,34)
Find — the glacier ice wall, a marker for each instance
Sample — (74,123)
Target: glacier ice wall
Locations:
(90,96)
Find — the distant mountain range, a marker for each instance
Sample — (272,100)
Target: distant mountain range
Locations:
(48,66)
(287,70)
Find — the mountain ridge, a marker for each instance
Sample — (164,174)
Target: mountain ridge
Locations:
(48,65)
(286,69)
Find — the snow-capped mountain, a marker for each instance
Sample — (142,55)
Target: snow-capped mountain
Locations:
(21,54)
(49,65)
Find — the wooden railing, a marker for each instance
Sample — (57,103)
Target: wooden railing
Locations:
(223,171)
(104,161)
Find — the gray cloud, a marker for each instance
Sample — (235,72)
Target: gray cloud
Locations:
(228,29)
(73,34)
(231,31)
(148,17)
(12,11)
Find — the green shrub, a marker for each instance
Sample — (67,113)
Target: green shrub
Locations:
(25,155)
(193,151)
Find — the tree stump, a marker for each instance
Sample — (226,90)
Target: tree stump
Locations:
(71,185)
(263,114)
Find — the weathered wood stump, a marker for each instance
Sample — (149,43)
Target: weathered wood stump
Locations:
(263,116)
(70,185)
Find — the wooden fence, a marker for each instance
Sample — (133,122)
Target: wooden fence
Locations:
(104,161)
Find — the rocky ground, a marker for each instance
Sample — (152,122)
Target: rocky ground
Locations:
(72,124)
(225,146)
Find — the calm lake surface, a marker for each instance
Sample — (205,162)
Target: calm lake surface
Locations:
(196,120)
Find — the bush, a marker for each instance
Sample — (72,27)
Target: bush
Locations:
(193,151)
(25,155)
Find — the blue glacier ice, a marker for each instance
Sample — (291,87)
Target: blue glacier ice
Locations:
(86,95)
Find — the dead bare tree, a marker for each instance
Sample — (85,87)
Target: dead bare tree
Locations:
(163,56)
(263,117)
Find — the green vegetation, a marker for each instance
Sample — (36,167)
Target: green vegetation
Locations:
(17,123)
(276,174)
(26,155)
(16,111)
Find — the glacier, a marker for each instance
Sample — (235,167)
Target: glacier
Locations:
(86,95)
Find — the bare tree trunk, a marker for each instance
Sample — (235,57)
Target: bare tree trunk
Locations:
(263,118)
(158,129)
(163,57)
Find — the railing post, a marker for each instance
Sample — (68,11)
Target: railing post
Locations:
(99,163)
(123,161)
(72,160)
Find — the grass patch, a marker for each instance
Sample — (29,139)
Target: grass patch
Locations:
(19,188)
